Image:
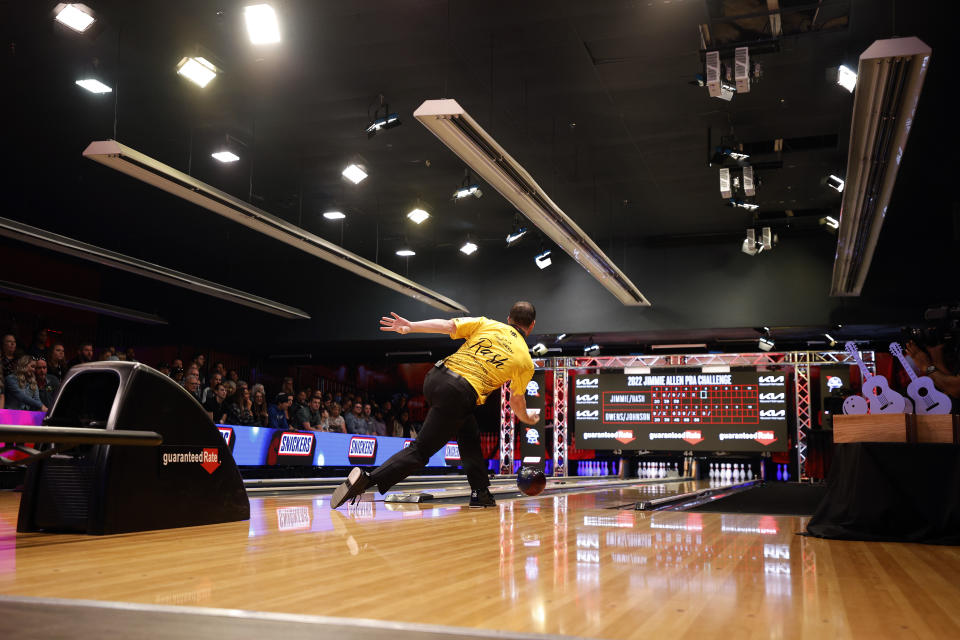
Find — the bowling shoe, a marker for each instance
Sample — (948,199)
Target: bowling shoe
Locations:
(352,488)
(480,498)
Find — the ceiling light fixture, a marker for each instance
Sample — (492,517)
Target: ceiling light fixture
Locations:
(830,340)
(514,236)
(197,70)
(591,350)
(831,223)
(890,77)
(93,85)
(75,16)
(418,215)
(765,343)
(468,248)
(225,156)
(835,183)
(561,337)
(386,122)
(262,24)
(846,77)
(334,215)
(406,253)
(148,170)
(354,174)
(543,259)
(62,244)
(489,161)
(464,192)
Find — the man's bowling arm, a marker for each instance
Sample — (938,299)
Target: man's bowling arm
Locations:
(518,402)
(401,325)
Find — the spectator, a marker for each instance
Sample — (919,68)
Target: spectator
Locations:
(215,379)
(241,385)
(324,418)
(177,375)
(192,385)
(233,376)
(387,411)
(84,354)
(355,420)
(46,383)
(240,411)
(201,361)
(176,363)
(347,407)
(105,355)
(21,387)
(261,416)
(402,427)
(219,368)
(375,427)
(279,416)
(9,355)
(309,417)
(336,422)
(287,386)
(57,361)
(299,401)
(216,406)
(231,391)
(130,355)
(39,347)
(164,368)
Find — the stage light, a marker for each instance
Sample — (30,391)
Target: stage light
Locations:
(225,156)
(835,183)
(93,86)
(262,25)
(387,122)
(333,215)
(74,16)
(830,340)
(197,70)
(741,204)
(539,350)
(750,245)
(464,192)
(406,253)
(354,174)
(831,223)
(468,248)
(543,259)
(591,350)
(561,337)
(515,235)
(846,77)
(765,343)
(418,215)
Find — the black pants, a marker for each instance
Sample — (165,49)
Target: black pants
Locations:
(452,403)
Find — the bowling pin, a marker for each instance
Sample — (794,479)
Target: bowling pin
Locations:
(779,472)
(786,473)
(749,475)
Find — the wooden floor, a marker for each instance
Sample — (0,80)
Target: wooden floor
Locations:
(566,564)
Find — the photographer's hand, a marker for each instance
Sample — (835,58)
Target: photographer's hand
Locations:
(936,357)
(918,355)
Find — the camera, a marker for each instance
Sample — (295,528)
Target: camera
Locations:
(943,330)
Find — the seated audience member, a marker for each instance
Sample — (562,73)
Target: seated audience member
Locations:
(21,387)
(9,356)
(402,427)
(355,421)
(233,376)
(38,349)
(216,406)
(191,384)
(375,420)
(201,360)
(308,416)
(336,422)
(279,412)
(177,375)
(163,368)
(231,390)
(287,385)
(324,418)
(261,417)
(46,383)
(130,355)
(241,385)
(176,363)
(299,400)
(215,379)
(57,361)
(240,411)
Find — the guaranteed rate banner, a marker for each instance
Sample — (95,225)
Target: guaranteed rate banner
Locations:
(736,411)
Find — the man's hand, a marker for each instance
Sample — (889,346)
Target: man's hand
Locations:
(918,355)
(395,324)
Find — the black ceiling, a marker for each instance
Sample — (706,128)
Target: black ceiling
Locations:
(595,99)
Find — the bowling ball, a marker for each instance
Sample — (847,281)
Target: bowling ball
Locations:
(531,480)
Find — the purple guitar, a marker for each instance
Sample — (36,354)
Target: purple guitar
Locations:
(925,396)
(876,389)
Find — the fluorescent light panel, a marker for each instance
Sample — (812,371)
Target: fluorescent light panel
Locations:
(69,246)
(148,170)
(468,248)
(199,71)
(74,17)
(466,192)
(225,156)
(334,215)
(835,183)
(262,25)
(418,215)
(406,253)
(354,174)
(846,77)
(489,161)
(94,86)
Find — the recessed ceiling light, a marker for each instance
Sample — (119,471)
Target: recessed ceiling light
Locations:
(333,215)
(225,156)
(406,253)
(94,86)
(418,215)
(468,248)
(75,17)
(354,174)
(197,70)
(262,26)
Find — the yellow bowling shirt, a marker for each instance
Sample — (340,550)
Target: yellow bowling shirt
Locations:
(493,353)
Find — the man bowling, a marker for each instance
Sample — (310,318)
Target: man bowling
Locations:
(493,353)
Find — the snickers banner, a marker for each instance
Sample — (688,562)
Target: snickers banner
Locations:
(362,450)
(531,438)
(292,448)
(451,454)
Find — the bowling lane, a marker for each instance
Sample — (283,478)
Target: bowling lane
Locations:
(560,564)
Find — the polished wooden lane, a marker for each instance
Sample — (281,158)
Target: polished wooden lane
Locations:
(553,564)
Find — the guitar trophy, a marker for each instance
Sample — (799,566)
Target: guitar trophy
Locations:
(927,399)
(876,389)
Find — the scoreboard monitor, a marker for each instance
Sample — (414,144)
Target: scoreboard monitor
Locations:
(736,411)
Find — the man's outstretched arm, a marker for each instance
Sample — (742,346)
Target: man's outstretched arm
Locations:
(401,325)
